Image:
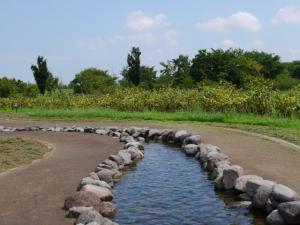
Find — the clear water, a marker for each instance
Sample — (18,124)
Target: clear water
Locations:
(166,187)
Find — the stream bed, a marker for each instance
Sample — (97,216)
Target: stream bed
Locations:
(167,187)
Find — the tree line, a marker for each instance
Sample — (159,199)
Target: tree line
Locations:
(234,66)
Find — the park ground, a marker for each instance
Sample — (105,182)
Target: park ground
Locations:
(34,194)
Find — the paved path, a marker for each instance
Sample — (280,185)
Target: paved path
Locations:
(35,194)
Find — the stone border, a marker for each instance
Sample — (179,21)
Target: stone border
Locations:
(94,192)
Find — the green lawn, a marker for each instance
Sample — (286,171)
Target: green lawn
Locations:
(288,129)
(15,152)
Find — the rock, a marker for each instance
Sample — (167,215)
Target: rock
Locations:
(191,149)
(253,185)
(118,159)
(82,198)
(94,176)
(101,132)
(88,180)
(135,144)
(153,134)
(106,175)
(205,149)
(90,216)
(181,135)
(108,222)
(290,211)
(141,139)
(135,153)
(230,175)
(79,129)
(282,193)
(94,223)
(107,209)
(269,206)
(218,171)
(261,197)
(103,193)
(126,156)
(116,134)
(102,166)
(274,218)
(89,130)
(74,212)
(193,139)
(111,163)
(168,136)
(213,158)
(197,156)
(240,183)
(244,197)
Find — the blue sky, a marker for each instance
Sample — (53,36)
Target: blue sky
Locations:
(76,34)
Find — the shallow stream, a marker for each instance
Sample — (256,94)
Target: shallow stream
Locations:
(166,187)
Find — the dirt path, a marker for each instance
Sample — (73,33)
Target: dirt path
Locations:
(37,192)
(34,195)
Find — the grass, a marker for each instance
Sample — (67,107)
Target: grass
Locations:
(15,152)
(288,129)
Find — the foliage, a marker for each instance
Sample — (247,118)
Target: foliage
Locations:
(92,81)
(132,73)
(41,73)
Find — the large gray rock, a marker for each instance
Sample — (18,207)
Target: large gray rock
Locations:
(191,149)
(181,135)
(230,175)
(103,193)
(106,175)
(290,211)
(111,163)
(261,197)
(154,134)
(107,209)
(253,185)
(94,176)
(126,156)
(206,149)
(87,180)
(82,199)
(118,159)
(101,132)
(240,183)
(213,158)
(218,171)
(168,136)
(135,153)
(135,144)
(108,222)
(282,193)
(90,216)
(74,212)
(193,139)
(274,218)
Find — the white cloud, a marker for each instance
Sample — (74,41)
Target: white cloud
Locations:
(227,43)
(141,21)
(147,38)
(256,44)
(288,14)
(92,43)
(294,52)
(244,20)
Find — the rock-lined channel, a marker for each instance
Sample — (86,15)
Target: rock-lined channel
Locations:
(166,187)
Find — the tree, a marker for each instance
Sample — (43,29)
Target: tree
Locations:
(271,64)
(92,81)
(147,77)
(132,73)
(52,83)
(41,74)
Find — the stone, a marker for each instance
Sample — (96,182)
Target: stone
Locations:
(118,159)
(94,176)
(126,156)
(88,217)
(101,132)
(103,193)
(135,144)
(153,134)
(230,174)
(74,212)
(244,197)
(181,135)
(168,136)
(274,218)
(240,183)
(261,197)
(193,139)
(111,163)
(191,149)
(88,180)
(108,222)
(253,185)
(197,156)
(106,175)
(290,211)
(282,193)
(205,149)
(107,209)
(213,158)
(141,139)
(135,153)
(218,171)
(82,198)
(102,166)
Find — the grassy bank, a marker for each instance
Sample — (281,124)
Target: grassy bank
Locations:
(288,129)
(15,152)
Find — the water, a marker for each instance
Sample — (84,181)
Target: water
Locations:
(166,187)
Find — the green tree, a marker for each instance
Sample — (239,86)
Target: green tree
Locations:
(52,83)
(92,81)
(132,73)
(147,77)
(41,74)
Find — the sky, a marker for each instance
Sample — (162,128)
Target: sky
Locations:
(76,34)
